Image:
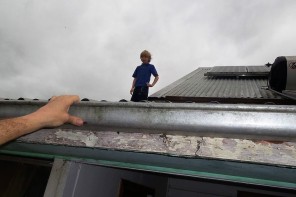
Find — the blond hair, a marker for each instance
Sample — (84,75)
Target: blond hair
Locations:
(146,53)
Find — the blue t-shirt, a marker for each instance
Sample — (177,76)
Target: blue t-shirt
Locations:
(143,74)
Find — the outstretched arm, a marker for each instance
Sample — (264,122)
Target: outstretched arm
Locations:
(53,114)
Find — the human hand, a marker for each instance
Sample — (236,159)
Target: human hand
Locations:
(132,91)
(55,112)
(149,85)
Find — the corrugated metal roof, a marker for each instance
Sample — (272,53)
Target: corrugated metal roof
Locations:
(196,85)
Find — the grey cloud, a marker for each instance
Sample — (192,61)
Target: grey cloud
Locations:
(91,48)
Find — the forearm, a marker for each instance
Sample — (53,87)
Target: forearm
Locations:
(53,114)
(134,83)
(155,80)
(13,128)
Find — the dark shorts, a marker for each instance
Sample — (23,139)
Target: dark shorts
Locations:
(140,94)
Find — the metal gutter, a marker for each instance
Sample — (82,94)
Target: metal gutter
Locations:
(265,122)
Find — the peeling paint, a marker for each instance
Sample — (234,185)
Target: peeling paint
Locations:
(90,140)
(283,153)
(247,150)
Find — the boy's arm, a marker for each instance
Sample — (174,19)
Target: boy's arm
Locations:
(133,86)
(53,114)
(154,82)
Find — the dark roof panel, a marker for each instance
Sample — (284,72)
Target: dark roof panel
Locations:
(258,69)
(233,71)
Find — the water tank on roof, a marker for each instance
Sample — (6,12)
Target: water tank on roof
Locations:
(282,75)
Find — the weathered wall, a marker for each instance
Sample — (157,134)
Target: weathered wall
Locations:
(277,153)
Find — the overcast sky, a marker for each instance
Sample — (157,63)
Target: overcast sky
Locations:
(91,47)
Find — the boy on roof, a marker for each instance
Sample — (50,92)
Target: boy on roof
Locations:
(142,74)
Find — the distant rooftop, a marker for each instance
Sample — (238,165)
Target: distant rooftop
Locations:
(233,84)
